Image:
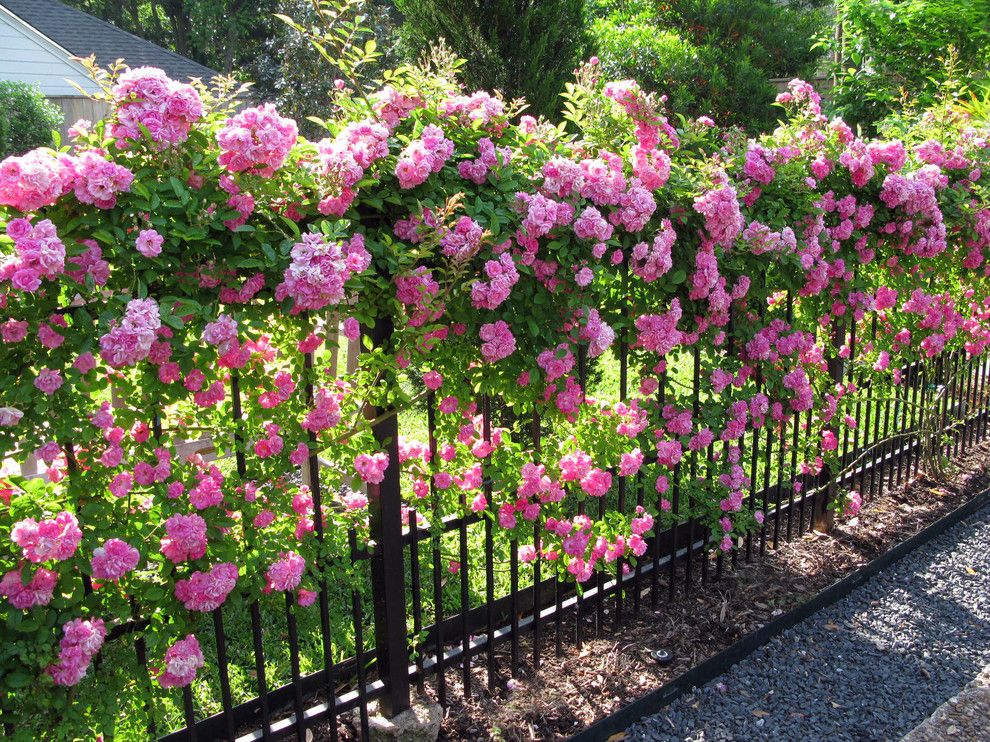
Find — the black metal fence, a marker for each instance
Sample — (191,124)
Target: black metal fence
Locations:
(414,627)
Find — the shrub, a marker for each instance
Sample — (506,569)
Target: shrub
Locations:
(182,267)
(633,47)
(27,118)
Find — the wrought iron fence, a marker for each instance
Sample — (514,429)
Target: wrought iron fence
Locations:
(413,624)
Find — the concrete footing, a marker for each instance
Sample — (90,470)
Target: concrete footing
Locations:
(421,723)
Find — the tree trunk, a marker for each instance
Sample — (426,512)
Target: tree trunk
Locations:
(181,27)
(156,24)
(233,8)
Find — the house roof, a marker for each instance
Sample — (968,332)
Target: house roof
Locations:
(81,35)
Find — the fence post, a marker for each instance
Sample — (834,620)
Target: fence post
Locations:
(823,517)
(387,565)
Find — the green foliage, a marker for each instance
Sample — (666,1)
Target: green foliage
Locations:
(525,49)
(885,48)
(713,57)
(637,50)
(27,118)
(341,37)
(977,105)
(225,35)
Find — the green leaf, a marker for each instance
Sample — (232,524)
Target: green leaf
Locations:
(18,679)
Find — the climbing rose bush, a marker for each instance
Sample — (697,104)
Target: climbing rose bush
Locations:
(183,271)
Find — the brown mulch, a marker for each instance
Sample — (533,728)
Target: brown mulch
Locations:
(613,669)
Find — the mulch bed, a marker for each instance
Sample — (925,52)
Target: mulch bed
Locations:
(610,670)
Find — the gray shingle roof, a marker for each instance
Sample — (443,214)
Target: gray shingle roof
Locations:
(82,34)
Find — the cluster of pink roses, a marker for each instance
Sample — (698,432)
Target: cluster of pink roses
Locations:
(146,99)
(371,466)
(723,219)
(478,109)
(99,180)
(81,640)
(319,269)
(344,159)
(53,539)
(185,537)
(651,261)
(257,141)
(502,276)
(113,560)
(42,177)
(37,179)
(38,590)
(39,253)
(286,573)
(205,591)
(131,339)
(423,156)
(658,332)
(497,341)
(182,660)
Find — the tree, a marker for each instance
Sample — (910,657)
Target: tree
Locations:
(712,57)
(227,36)
(884,50)
(524,48)
(27,118)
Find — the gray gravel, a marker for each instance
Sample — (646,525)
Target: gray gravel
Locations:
(870,667)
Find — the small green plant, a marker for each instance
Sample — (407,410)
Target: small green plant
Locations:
(27,118)
(977,105)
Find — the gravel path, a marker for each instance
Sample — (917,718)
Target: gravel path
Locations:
(870,667)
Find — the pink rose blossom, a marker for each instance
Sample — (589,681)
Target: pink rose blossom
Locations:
(48,380)
(207,591)
(286,573)
(182,660)
(371,467)
(149,243)
(37,592)
(113,560)
(81,640)
(185,538)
